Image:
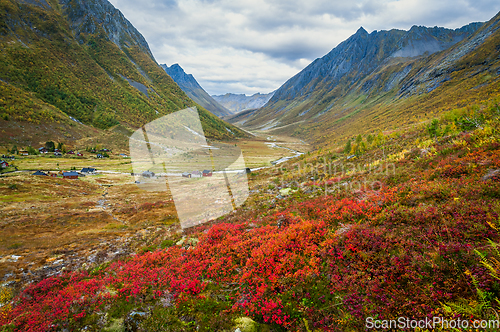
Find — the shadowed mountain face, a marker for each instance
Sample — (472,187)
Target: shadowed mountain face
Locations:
(192,88)
(382,73)
(240,102)
(82,63)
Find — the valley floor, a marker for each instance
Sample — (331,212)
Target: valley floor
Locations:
(49,225)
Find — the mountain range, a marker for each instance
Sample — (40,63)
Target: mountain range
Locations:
(220,105)
(192,88)
(71,70)
(382,80)
(75,70)
(241,102)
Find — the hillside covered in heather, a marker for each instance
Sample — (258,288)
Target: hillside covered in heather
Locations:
(407,228)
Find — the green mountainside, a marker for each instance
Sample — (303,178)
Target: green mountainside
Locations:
(84,60)
(384,80)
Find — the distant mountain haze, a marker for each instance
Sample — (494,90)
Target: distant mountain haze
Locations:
(241,102)
(192,88)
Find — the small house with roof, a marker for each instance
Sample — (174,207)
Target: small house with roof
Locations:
(88,170)
(40,173)
(148,174)
(4,164)
(207,172)
(186,175)
(70,175)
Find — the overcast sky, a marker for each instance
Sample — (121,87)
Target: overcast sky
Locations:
(249,46)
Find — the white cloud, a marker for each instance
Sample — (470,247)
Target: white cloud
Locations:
(248,46)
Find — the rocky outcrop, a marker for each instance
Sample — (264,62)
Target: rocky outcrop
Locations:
(86,17)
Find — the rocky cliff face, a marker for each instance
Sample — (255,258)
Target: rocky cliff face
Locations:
(193,89)
(358,56)
(240,102)
(86,17)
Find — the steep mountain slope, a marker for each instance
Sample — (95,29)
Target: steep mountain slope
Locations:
(193,89)
(240,102)
(84,60)
(383,80)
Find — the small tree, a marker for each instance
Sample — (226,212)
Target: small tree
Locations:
(31,150)
(433,128)
(369,138)
(354,149)
(359,139)
(379,140)
(50,146)
(362,147)
(347,148)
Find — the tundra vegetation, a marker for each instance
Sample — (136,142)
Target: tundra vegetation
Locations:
(400,224)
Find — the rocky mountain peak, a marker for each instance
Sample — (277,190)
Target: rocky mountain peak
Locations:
(361,31)
(89,16)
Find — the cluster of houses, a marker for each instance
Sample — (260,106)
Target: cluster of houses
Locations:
(193,174)
(57,152)
(68,174)
(198,174)
(4,163)
(103,153)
